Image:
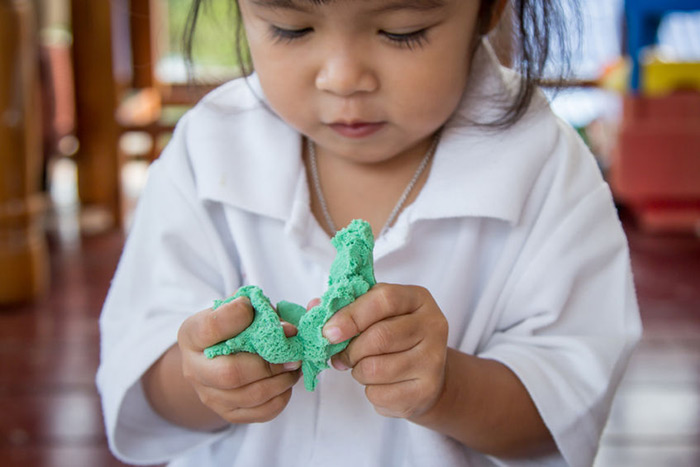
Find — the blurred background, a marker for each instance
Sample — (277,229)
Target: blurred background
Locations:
(90,91)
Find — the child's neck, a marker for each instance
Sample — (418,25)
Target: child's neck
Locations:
(359,190)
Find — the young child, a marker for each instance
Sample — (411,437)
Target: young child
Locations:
(505,310)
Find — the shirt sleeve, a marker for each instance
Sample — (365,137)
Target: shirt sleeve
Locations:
(174,264)
(568,316)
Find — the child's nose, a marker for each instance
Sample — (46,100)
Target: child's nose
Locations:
(345,74)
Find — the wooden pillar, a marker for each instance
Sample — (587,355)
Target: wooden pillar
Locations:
(142,53)
(23,253)
(95,89)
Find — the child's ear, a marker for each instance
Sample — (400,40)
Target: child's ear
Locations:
(497,8)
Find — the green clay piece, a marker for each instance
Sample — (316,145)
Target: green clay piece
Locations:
(290,312)
(351,275)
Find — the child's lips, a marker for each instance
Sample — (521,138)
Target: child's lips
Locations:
(356,129)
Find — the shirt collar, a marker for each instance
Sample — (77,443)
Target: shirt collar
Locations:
(241,153)
(487,172)
(476,171)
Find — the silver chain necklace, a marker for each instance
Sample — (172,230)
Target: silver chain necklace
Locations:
(399,205)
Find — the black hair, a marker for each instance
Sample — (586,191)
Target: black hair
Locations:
(539,34)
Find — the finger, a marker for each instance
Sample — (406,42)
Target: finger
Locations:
(210,327)
(227,403)
(397,334)
(381,302)
(260,392)
(385,369)
(289,329)
(397,400)
(262,413)
(312,303)
(235,371)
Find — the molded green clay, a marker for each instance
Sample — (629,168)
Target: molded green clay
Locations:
(351,275)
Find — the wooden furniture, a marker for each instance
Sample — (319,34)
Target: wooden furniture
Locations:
(96,103)
(114,56)
(23,252)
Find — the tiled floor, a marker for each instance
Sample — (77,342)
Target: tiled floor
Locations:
(655,419)
(49,408)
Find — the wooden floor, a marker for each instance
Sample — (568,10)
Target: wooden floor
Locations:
(50,411)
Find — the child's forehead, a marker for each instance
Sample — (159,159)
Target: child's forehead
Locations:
(380,4)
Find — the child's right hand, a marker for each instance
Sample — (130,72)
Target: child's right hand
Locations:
(240,388)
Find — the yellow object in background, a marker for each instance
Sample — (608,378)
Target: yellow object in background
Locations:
(660,77)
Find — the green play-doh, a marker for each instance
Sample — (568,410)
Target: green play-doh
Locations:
(351,275)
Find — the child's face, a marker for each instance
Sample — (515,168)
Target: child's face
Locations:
(366,80)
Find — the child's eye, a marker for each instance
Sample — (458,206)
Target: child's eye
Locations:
(408,40)
(288,35)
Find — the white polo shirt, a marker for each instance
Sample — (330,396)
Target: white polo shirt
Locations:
(514,234)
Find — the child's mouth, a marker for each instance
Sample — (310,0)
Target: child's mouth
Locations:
(356,129)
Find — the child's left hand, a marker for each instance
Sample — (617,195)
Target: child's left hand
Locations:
(400,350)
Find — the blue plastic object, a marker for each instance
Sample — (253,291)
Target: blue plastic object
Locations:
(643,19)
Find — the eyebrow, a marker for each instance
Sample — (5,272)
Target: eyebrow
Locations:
(419,5)
(300,5)
(288,4)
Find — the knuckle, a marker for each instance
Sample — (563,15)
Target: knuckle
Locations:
(189,331)
(347,320)
(425,393)
(242,307)
(207,398)
(397,402)
(265,416)
(402,411)
(182,332)
(386,297)
(435,325)
(231,375)
(422,392)
(373,394)
(189,374)
(275,406)
(264,392)
(434,390)
(280,401)
(234,415)
(378,396)
(270,369)
(382,337)
(431,359)
(368,369)
(251,396)
(208,327)
(423,291)
(432,366)
(441,326)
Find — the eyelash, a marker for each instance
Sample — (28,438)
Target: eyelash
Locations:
(287,35)
(409,40)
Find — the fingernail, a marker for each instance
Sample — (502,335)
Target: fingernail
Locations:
(339,365)
(333,334)
(245,301)
(291,366)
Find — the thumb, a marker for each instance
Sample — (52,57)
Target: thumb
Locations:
(209,327)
